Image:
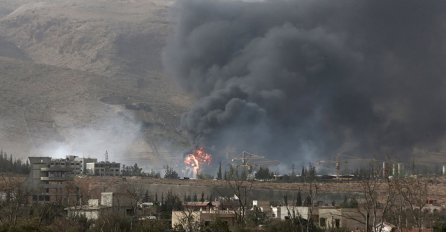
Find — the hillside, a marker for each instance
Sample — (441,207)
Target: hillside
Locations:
(83,77)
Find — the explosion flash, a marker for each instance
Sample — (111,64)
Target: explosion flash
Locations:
(196,159)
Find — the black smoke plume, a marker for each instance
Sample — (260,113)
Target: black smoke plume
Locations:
(312,78)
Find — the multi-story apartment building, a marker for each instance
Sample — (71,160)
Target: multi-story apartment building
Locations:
(103,169)
(51,181)
(76,164)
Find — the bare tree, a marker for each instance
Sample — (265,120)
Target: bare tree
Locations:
(310,200)
(295,215)
(377,199)
(14,198)
(188,220)
(414,194)
(379,196)
(241,187)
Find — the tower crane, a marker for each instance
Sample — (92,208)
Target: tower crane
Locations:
(344,161)
(249,160)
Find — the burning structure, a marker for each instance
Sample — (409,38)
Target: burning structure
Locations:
(194,161)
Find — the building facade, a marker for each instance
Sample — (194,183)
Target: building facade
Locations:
(103,169)
(50,180)
(334,218)
(110,202)
(202,217)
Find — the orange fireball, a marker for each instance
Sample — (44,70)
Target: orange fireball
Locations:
(195,159)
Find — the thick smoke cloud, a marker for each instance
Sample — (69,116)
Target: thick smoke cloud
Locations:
(311,78)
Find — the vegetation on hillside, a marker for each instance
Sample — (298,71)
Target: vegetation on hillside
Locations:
(11,165)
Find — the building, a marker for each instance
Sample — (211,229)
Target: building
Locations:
(71,162)
(348,218)
(200,206)
(202,213)
(76,164)
(265,207)
(326,217)
(202,217)
(110,203)
(50,180)
(84,162)
(103,168)
(288,212)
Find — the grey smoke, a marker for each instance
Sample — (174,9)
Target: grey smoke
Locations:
(311,78)
(118,133)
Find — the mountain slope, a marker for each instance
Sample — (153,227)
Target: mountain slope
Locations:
(82,77)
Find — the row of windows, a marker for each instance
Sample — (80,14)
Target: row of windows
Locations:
(323,222)
(41,198)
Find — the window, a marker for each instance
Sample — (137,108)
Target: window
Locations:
(337,223)
(323,222)
(129,211)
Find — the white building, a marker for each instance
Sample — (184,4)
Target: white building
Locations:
(288,212)
(349,218)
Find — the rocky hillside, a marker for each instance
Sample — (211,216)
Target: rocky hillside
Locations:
(85,76)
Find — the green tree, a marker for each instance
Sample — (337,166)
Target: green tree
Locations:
(219,174)
(172,202)
(299,199)
(170,173)
(202,197)
(264,174)
(216,226)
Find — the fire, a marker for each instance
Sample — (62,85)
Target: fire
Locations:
(196,159)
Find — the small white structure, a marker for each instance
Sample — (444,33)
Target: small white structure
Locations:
(385,227)
(287,212)
(202,216)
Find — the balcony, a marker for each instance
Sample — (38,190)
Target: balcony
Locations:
(55,169)
(55,178)
(53,186)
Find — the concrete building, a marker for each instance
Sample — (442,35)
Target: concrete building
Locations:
(202,217)
(84,162)
(288,212)
(50,181)
(203,213)
(71,162)
(325,217)
(110,203)
(76,164)
(103,169)
(200,206)
(264,207)
(333,218)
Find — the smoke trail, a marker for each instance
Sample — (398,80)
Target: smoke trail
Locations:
(312,77)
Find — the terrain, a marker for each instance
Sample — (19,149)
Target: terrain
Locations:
(270,191)
(84,77)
